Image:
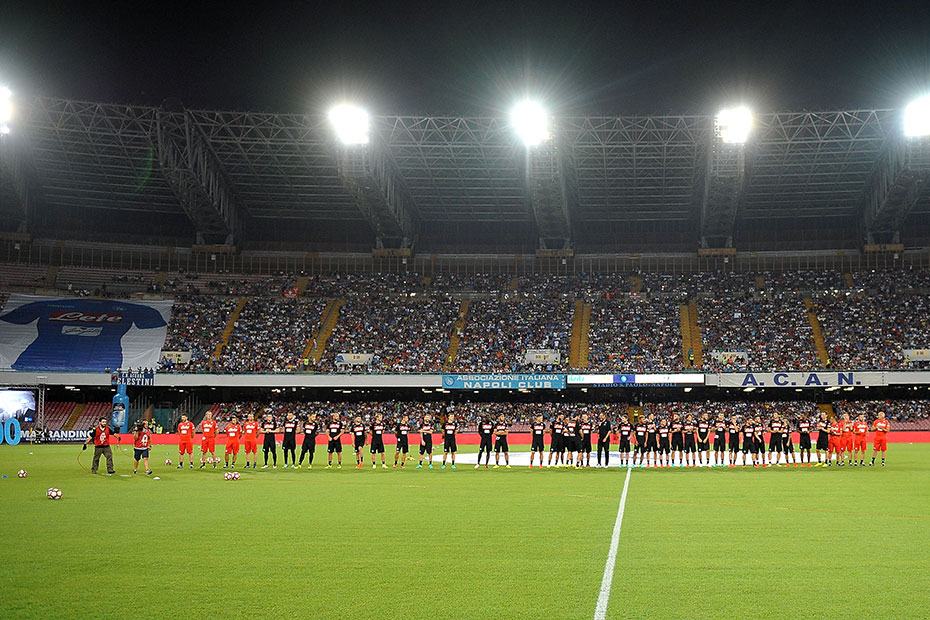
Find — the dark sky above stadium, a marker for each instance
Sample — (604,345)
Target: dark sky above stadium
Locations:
(408,57)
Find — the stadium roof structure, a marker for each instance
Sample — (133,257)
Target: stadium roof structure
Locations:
(596,185)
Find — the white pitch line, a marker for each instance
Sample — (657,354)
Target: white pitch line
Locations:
(600,612)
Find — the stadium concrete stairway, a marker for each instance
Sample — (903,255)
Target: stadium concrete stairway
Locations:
(427,281)
(302,283)
(315,348)
(636,284)
(760,283)
(691,336)
(57,413)
(456,338)
(581,322)
(51,276)
(74,417)
(514,284)
(828,409)
(849,280)
(819,343)
(634,413)
(230,326)
(160,278)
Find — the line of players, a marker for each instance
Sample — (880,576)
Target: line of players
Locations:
(664,442)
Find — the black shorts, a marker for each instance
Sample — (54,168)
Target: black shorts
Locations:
(334,445)
(749,445)
(538,445)
(640,445)
(556,444)
(268,442)
(140,453)
(703,444)
(664,446)
(309,443)
(500,444)
(485,445)
(403,445)
(585,445)
(624,444)
(823,441)
(689,444)
(289,444)
(787,446)
(359,443)
(426,444)
(448,444)
(652,445)
(734,442)
(677,442)
(805,443)
(377,445)
(720,443)
(774,444)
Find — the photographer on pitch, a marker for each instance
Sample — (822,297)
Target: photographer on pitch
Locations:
(100,435)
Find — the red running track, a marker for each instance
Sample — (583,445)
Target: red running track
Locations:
(513,438)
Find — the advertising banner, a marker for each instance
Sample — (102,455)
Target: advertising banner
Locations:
(503,382)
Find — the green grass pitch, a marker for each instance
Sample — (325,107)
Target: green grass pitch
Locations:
(725,543)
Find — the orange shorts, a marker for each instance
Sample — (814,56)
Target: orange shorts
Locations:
(186,447)
(251,447)
(859,443)
(232,447)
(880,444)
(208,444)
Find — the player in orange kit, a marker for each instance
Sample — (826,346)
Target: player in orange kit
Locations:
(836,443)
(250,439)
(185,441)
(881,426)
(208,440)
(859,430)
(233,432)
(846,439)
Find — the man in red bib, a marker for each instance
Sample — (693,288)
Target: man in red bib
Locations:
(100,436)
(233,432)
(881,426)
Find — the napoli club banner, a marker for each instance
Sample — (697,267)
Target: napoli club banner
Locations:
(78,334)
(503,382)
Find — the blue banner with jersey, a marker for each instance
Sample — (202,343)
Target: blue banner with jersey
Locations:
(503,382)
(79,334)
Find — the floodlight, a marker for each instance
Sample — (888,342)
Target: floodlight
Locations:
(531,123)
(734,125)
(350,123)
(917,118)
(6,109)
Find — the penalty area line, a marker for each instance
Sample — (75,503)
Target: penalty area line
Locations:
(600,611)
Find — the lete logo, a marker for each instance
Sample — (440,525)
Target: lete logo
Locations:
(85,317)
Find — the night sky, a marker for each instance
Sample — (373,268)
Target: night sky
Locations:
(470,57)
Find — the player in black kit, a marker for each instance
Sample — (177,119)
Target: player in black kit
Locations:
(334,431)
(269,428)
(733,430)
(703,440)
(604,428)
(555,441)
(625,431)
(308,447)
(720,440)
(538,447)
(402,432)
(804,445)
(486,433)
(358,437)
(448,440)
(641,434)
(289,441)
(426,440)
(501,429)
(377,441)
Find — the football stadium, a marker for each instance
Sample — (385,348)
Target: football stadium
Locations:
(348,364)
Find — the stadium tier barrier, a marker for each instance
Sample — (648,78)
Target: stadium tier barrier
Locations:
(513,439)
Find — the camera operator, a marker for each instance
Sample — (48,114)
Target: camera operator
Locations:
(100,435)
(141,441)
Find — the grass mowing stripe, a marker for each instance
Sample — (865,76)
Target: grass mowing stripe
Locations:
(600,612)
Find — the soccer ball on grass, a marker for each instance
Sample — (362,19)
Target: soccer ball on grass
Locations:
(21,473)
(231,475)
(168,462)
(53,493)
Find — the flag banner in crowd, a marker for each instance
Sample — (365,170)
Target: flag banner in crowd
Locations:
(730,356)
(132,378)
(74,334)
(916,354)
(542,357)
(354,359)
(800,379)
(503,382)
(634,380)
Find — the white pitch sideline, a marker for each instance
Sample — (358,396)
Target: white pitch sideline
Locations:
(522,459)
